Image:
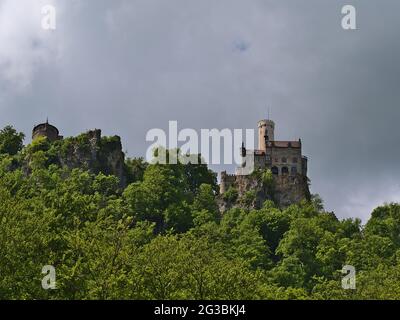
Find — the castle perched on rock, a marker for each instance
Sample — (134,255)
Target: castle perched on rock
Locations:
(285,161)
(89,150)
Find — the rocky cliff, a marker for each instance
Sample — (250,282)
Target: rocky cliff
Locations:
(88,151)
(94,153)
(253,190)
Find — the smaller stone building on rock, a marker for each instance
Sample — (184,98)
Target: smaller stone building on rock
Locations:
(46,130)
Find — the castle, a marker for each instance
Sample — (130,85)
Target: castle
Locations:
(91,151)
(283,158)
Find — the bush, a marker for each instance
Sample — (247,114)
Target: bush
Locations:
(231,195)
(248,198)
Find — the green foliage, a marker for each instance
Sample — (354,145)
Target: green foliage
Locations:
(264,176)
(317,201)
(205,199)
(248,198)
(135,169)
(163,237)
(385,222)
(11,141)
(38,144)
(268,178)
(231,195)
(171,195)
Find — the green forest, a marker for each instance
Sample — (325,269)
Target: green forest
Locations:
(163,237)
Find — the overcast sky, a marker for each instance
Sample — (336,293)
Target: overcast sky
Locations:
(127,66)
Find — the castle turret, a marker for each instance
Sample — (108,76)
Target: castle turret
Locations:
(266,132)
(46,130)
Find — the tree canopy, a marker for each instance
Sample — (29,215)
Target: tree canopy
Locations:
(163,237)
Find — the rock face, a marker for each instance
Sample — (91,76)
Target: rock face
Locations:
(92,152)
(252,192)
(291,190)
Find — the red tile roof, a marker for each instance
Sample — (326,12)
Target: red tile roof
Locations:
(278,144)
(286,144)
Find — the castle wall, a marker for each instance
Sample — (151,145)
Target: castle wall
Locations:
(304,165)
(227,181)
(258,160)
(277,158)
(292,156)
(291,190)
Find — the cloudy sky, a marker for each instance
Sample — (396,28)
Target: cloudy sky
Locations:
(127,66)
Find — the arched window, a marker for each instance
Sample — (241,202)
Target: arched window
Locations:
(293,170)
(285,170)
(284,160)
(275,170)
(295,160)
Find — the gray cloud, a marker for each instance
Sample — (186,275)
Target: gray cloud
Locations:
(129,66)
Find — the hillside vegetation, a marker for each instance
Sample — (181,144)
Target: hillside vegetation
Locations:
(163,237)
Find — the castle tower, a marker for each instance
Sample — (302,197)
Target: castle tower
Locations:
(46,130)
(266,132)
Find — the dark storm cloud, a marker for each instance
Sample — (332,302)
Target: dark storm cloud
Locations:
(130,66)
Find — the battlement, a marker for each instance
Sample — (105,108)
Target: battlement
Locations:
(227,175)
(227,180)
